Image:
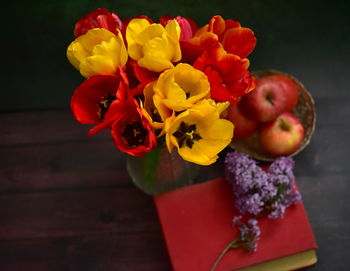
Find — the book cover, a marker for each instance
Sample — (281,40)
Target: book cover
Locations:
(197,225)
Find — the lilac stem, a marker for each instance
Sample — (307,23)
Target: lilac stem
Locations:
(222,254)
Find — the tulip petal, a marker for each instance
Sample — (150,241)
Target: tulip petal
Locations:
(98,18)
(198,133)
(198,154)
(85,99)
(97,51)
(163,110)
(220,126)
(155,61)
(173,29)
(135,27)
(239,41)
(132,132)
(95,65)
(181,87)
(76,53)
(153,31)
(217,25)
(153,46)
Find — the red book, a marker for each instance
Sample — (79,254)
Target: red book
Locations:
(197,225)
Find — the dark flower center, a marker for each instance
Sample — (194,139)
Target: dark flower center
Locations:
(135,134)
(186,135)
(104,105)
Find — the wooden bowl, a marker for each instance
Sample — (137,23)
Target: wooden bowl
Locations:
(304,110)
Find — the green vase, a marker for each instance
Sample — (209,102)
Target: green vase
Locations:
(160,171)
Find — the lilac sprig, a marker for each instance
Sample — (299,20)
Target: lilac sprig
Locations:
(257,193)
(249,234)
(261,193)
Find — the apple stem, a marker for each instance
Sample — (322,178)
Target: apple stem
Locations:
(269,97)
(284,125)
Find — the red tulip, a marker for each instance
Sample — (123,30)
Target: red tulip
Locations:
(227,73)
(138,77)
(91,100)
(229,34)
(234,38)
(190,51)
(98,18)
(132,133)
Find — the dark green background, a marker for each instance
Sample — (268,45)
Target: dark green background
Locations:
(308,39)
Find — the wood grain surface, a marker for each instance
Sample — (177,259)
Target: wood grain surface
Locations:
(67,202)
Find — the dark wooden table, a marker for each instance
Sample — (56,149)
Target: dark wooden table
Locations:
(67,202)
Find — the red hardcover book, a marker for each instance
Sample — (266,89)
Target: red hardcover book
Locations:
(197,225)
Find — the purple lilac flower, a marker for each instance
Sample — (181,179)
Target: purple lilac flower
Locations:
(250,203)
(258,192)
(236,220)
(278,210)
(255,232)
(249,234)
(249,182)
(280,205)
(283,166)
(268,190)
(236,163)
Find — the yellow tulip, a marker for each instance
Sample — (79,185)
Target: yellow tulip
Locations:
(97,51)
(153,108)
(181,87)
(198,133)
(153,47)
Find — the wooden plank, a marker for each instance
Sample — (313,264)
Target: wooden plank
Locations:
(49,149)
(42,127)
(144,251)
(60,125)
(75,213)
(61,165)
(99,163)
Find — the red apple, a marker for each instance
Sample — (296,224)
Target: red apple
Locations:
(290,87)
(244,126)
(283,136)
(266,101)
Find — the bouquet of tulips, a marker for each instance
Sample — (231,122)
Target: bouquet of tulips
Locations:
(148,81)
